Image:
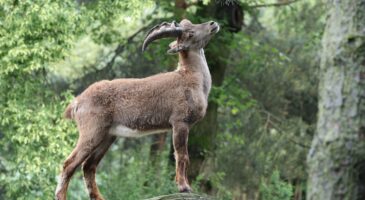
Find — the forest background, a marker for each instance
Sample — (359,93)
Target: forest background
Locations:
(262,114)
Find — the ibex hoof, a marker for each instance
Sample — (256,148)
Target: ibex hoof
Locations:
(185,189)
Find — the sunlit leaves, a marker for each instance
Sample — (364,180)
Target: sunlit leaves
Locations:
(33,33)
(34,137)
(38,140)
(109,19)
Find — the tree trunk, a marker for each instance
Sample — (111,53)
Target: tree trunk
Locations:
(157,146)
(203,134)
(336,158)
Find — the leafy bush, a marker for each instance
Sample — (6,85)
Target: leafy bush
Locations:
(34,138)
(275,189)
(35,141)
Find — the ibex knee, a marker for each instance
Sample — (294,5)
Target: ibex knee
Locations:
(87,166)
(183,157)
(181,128)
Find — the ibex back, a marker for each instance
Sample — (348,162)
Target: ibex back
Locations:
(137,107)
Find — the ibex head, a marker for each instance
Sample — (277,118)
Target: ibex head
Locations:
(189,36)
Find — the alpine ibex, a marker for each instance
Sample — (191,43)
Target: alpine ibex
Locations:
(138,107)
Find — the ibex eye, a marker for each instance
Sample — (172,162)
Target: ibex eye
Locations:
(191,34)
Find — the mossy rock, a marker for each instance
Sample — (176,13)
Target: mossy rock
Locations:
(181,196)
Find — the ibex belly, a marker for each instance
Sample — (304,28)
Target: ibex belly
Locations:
(123,131)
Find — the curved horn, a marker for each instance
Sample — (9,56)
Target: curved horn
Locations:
(162,31)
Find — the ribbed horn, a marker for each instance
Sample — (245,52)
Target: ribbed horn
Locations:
(163,30)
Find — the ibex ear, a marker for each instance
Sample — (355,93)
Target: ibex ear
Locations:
(175,47)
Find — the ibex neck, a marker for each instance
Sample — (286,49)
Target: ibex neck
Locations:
(195,62)
(192,60)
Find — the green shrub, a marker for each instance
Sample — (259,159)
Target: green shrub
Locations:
(275,189)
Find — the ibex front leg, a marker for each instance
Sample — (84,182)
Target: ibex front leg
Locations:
(180,141)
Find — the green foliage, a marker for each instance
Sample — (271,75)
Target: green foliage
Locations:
(109,20)
(267,102)
(33,33)
(216,180)
(34,137)
(275,189)
(39,140)
(257,81)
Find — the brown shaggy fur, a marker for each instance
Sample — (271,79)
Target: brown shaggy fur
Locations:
(173,100)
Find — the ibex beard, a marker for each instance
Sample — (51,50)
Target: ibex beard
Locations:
(137,107)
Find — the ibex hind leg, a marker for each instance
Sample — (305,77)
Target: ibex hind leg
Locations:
(89,139)
(90,165)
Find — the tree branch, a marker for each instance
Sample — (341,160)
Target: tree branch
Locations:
(276,126)
(105,71)
(120,47)
(273,4)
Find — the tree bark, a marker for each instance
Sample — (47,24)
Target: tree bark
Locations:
(202,137)
(157,146)
(336,158)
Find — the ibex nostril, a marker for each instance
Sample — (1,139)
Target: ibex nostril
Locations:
(211,23)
